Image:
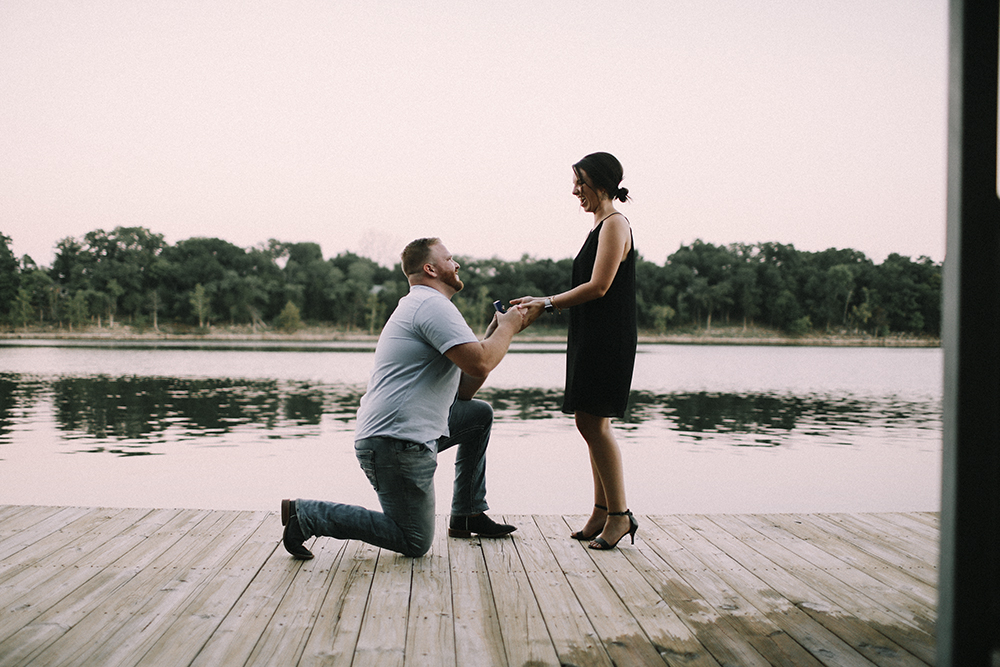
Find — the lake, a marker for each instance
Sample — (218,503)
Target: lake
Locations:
(241,425)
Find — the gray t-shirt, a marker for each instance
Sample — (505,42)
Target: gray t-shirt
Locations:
(413,385)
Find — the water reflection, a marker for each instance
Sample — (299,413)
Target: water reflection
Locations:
(123,415)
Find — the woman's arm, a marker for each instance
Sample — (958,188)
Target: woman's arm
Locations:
(613,246)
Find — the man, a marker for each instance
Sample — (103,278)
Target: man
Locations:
(428,366)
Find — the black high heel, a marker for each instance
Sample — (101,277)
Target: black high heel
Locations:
(578,535)
(633,525)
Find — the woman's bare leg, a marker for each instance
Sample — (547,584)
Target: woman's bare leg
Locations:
(609,474)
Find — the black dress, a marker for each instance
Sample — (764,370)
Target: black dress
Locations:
(600,346)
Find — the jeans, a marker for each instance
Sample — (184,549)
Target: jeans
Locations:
(402,474)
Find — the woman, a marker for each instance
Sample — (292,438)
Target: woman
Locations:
(600,347)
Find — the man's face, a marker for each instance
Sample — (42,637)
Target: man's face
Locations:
(446,266)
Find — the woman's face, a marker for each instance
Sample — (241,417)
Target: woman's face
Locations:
(583,189)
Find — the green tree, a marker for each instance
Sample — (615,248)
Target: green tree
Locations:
(22,312)
(78,311)
(10,279)
(289,320)
(200,305)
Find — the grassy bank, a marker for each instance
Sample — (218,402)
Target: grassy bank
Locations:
(717,335)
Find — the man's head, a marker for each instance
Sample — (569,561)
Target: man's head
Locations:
(427,262)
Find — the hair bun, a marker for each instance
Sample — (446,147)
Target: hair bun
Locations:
(622,194)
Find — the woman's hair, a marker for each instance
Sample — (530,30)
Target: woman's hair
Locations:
(605,172)
(416,253)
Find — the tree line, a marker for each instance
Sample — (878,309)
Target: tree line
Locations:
(132,275)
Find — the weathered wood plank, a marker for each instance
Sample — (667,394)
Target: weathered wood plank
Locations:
(849,646)
(338,625)
(383,633)
(675,642)
(773,644)
(526,640)
(573,636)
(116,627)
(83,586)
(182,640)
(31,527)
(478,639)
(865,639)
(909,631)
(148,543)
(623,637)
(430,632)
(892,555)
(865,569)
(237,635)
(894,544)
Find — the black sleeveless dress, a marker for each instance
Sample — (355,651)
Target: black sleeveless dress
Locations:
(600,346)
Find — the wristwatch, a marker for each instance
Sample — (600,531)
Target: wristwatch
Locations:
(549,307)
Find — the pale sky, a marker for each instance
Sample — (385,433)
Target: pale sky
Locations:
(363,125)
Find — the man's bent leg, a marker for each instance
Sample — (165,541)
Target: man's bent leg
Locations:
(402,474)
(470,424)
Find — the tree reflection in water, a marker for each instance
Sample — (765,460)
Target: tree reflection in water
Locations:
(127,412)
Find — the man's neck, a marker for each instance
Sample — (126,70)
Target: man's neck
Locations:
(445,289)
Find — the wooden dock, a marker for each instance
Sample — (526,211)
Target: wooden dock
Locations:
(105,587)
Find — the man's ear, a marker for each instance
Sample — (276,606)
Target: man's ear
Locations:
(430,270)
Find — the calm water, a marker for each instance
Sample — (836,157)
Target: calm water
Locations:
(712,428)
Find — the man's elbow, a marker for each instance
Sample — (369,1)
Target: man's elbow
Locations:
(478,369)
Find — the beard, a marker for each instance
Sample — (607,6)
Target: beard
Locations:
(454,282)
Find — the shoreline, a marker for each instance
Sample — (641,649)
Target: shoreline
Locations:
(717,336)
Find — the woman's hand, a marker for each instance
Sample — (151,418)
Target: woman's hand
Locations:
(534,307)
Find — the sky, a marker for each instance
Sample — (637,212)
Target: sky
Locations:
(363,125)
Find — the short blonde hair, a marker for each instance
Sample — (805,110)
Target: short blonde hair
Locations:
(416,253)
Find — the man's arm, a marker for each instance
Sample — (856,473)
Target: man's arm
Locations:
(476,360)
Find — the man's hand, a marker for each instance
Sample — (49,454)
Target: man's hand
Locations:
(534,307)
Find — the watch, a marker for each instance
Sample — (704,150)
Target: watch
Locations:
(549,306)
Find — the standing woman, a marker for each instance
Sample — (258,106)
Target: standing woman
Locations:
(600,347)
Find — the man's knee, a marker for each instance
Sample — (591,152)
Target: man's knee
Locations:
(418,545)
(481,411)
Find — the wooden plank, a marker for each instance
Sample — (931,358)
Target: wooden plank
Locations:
(67,541)
(76,604)
(35,591)
(181,641)
(896,545)
(834,641)
(75,543)
(671,536)
(284,638)
(526,640)
(478,640)
(622,636)
(28,528)
(670,637)
(238,633)
(430,632)
(912,524)
(573,636)
(711,629)
(218,543)
(382,640)
(863,635)
(911,633)
(152,587)
(865,570)
(338,625)
(25,518)
(894,556)
(113,630)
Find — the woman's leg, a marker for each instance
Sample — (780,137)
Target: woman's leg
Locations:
(609,474)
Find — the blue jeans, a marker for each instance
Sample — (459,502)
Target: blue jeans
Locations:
(402,473)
